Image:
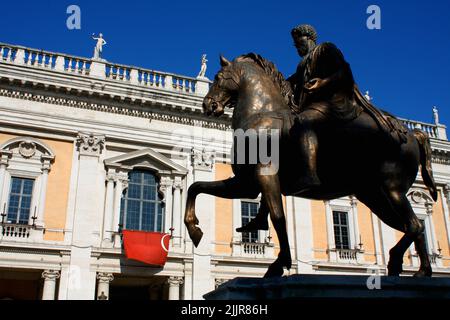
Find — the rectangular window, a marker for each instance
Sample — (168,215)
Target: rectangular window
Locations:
(19,203)
(341,234)
(248,212)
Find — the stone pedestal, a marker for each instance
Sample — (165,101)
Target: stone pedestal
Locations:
(332,287)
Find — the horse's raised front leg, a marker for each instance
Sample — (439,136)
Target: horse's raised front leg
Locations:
(231,188)
(271,193)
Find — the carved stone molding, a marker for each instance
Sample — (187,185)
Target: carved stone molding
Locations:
(218,282)
(4,157)
(27,148)
(90,144)
(161,116)
(203,159)
(178,183)
(175,281)
(51,275)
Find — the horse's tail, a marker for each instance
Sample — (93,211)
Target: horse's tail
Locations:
(425,161)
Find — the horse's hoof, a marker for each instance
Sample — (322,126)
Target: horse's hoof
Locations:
(254,225)
(423,273)
(275,270)
(394,269)
(196,235)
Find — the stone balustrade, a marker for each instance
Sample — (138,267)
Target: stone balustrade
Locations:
(347,255)
(15,231)
(436,131)
(103,69)
(254,248)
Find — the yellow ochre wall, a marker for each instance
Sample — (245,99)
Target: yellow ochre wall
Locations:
(366,232)
(57,188)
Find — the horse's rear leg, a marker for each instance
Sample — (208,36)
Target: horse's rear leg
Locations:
(271,193)
(231,188)
(394,209)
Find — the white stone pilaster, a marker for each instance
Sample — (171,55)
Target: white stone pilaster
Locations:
(43,193)
(330,232)
(446,206)
(356,238)
(429,208)
(303,234)
(88,212)
(205,210)
(4,159)
(103,285)
(377,240)
(50,277)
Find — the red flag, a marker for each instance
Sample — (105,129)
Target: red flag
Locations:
(147,247)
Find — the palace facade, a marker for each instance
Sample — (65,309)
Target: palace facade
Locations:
(89,148)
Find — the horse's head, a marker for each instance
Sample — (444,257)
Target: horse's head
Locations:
(223,91)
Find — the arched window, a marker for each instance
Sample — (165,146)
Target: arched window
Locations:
(141,206)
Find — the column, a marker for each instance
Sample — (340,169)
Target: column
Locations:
(176,210)
(174,287)
(103,285)
(330,232)
(109,206)
(4,158)
(121,185)
(44,181)
(50,277)
(165,186)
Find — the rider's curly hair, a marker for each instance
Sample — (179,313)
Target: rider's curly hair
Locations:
(305,30)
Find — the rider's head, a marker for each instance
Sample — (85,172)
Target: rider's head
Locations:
(304,37)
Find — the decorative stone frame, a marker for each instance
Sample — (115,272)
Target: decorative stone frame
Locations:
(171,179)
(422,204)
(354,255)
(26,157)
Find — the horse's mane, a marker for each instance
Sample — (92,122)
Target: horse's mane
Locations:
(276,76)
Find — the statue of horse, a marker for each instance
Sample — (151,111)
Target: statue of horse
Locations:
(354,159)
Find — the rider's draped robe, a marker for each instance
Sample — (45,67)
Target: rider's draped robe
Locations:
(341,98)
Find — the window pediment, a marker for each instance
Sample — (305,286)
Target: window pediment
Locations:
(147,158)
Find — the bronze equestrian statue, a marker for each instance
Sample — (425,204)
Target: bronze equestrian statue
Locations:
(332,143)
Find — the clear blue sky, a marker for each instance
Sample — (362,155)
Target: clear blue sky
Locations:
(405,65)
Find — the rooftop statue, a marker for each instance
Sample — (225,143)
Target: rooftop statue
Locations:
(332,142)
(98,46)
(202,72)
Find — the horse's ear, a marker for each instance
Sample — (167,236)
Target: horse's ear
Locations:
(224,62)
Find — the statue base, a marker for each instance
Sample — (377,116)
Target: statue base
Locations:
(332,287)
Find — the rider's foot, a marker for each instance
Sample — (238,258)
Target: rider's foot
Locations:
(254,225)
(307,183)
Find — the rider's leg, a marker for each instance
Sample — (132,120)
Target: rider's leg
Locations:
(306,124)
(260,221)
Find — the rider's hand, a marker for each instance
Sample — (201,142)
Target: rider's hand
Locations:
(314,84)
